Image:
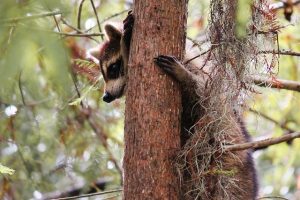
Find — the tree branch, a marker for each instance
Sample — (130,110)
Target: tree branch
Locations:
(263,143)
(281,52)
(77,30)
(114,15)
(90,195)
(79,14)
(79,34)
(80,187)
(103,139)
(95,127)
(281,125)
(97,18)
(279,83)
(21,88)
(16,19)
(108,18)
(56,23)
(72,34)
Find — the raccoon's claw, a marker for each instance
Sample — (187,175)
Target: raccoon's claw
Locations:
(128,23)
(167,63)
(172,66)
(127,28)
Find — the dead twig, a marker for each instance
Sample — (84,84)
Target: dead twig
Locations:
(79,34)
(281,52)
(97,18)
(262,143)
(103,139)
(197,56)
(281,125)
(79,14)
(96,128)
(31,17)
(69,194)
(77,30)
(279,83)
(70,34)
(56,23)
(108,18)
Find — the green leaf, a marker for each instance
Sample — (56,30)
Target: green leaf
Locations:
(77,101)
(6,170)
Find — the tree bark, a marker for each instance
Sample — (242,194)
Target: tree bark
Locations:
(153,102)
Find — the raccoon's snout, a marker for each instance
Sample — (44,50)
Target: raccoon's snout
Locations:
(107,97)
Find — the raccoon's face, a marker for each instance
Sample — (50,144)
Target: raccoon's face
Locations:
(114,77)
(112,65)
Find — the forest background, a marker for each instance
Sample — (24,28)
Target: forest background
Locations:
(57,135)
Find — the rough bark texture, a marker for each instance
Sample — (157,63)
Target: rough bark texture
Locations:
(153,102)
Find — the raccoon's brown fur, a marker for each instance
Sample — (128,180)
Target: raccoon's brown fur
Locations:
(223,175)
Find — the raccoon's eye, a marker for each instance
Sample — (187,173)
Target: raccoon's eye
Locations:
(114,70)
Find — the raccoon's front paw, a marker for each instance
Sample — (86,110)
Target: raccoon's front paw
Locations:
(128,21)
(127,28)
(172,66)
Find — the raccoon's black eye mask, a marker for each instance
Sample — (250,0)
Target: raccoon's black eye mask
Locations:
(114,69)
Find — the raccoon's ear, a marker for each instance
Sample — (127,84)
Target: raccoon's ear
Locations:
(93,54)
(112,32)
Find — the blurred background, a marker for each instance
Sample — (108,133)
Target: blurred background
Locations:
(57,137)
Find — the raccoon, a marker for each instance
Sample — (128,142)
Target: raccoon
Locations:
(112,57)
(192,77)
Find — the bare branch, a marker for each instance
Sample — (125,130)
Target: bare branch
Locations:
(81,187)
(197,56)
(74,79)
(281,52)
(278,83)
(103,139)
(70,26)
(30,104)
(79,14)
(77,30)
(30,17)
(272,198)
(198,42)
(114,15)
(263,143)
(281,125)
(97,18)
(79,34)
(95,127)
(56,23)
(90,195)
(21,88)
(108,18)
(72,34)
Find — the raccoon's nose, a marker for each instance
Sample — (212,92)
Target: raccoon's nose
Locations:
(107,97)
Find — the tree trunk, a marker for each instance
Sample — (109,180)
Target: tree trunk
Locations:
(153,102)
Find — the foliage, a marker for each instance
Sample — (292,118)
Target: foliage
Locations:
(6,170)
